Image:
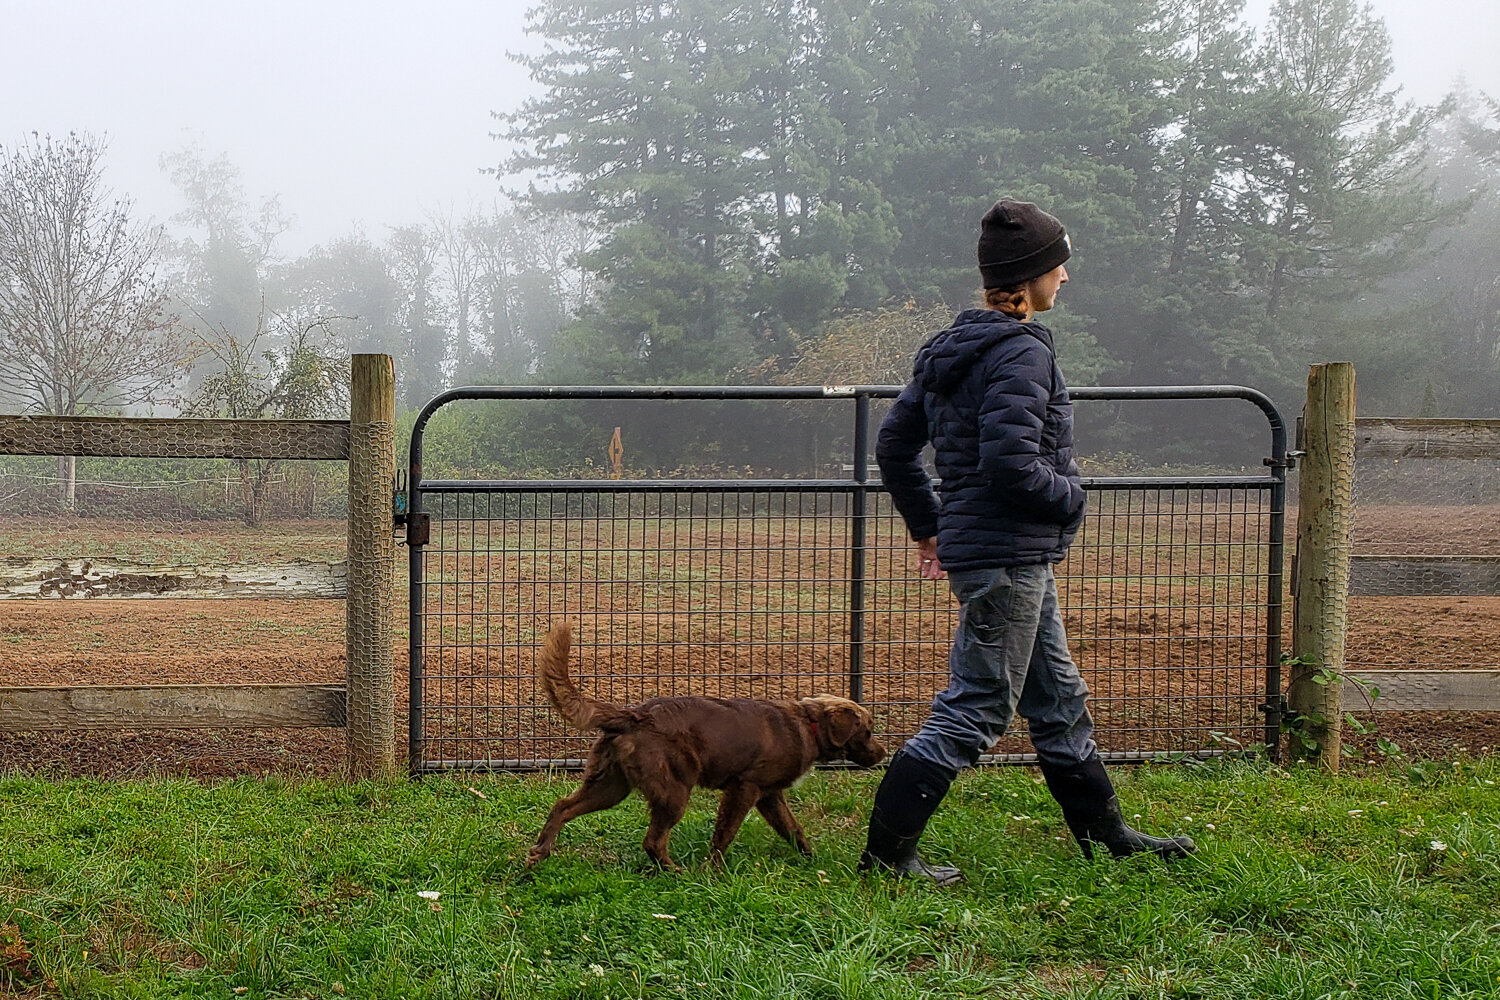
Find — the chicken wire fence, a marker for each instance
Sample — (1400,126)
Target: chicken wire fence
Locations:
(787,587)
(203,518)
(1426,537)
(174,490)
(173,507)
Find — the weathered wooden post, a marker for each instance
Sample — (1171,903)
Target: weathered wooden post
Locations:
(369,659)
(1320,582)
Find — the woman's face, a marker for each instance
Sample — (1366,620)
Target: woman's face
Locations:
(1042,291)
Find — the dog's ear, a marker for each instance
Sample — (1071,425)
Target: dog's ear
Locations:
(844,722)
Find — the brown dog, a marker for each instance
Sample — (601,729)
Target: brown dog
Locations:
(751,749)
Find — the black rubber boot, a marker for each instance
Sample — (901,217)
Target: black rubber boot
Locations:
(1092,811)
(908,796)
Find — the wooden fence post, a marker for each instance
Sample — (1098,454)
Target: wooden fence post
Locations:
(1320,584)
(369,660)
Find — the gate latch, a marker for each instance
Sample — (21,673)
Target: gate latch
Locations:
(1278,704)
(398,500)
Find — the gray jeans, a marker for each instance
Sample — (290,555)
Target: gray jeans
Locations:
(1009,655)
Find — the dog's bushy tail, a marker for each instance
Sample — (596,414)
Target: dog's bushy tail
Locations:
(578,708)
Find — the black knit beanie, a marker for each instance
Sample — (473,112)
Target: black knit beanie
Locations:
(1018,242)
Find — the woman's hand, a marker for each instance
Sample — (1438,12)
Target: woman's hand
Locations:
(927,560)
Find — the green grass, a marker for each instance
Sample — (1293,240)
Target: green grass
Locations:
(1381,883)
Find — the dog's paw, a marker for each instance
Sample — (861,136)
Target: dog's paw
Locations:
(535,855)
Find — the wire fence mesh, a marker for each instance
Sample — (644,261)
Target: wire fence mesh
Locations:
(1425,574)
(179,527)
(747,593)
(206,536)
(175,491)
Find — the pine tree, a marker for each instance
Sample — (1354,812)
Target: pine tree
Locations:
(640,129)
(1340,195)
(1191,320)
(731,155)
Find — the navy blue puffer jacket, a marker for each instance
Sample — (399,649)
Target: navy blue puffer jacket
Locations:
(988,395)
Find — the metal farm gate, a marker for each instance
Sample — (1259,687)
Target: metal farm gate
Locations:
(780,588)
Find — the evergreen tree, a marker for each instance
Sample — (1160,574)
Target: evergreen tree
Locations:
(753,172)
(1339,192)
(350,278)
(730,155)
(1058,101)
(1192,316)
(1440,318)
(422,343)
(638,125)
(826,226)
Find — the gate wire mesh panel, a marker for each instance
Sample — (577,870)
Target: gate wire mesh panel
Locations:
(745,589)
(732,593)
(1163,596)
(123,571)
(1164,593)
(1425,573)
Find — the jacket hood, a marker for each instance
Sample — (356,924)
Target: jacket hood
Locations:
(946,358)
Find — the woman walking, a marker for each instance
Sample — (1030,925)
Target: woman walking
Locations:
(988,395)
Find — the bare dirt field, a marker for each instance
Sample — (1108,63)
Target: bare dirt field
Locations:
(50,642)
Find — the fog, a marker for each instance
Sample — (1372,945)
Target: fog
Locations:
(783,209)
(368,113)
(376,114)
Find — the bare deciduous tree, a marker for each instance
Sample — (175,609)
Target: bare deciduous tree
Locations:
(83,320)
(306,378)
(458,258)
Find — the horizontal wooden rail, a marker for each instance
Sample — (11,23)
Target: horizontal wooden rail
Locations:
(173,706)
(1424,691)
(1424,576)
(22,577)
(174,437)
(1423,437)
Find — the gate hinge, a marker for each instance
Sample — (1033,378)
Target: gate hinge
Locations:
(418,528)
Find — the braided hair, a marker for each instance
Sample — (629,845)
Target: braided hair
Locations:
(1014,301)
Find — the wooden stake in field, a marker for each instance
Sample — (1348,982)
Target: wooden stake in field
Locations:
(370,661)
(1320,585)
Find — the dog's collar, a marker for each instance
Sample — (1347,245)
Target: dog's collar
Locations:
(813,724)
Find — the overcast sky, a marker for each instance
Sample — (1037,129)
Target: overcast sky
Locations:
(375,113)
